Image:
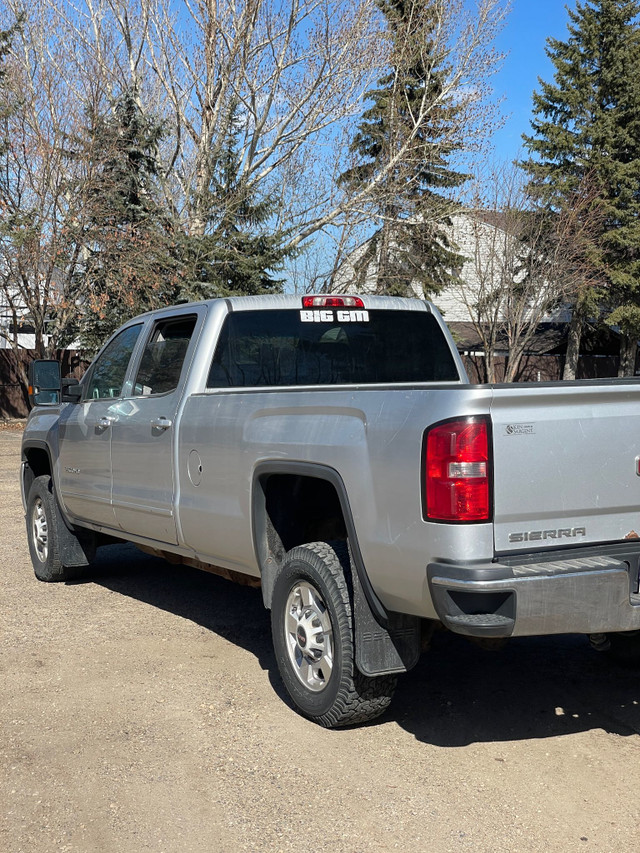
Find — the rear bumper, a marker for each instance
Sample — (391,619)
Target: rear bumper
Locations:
(595,592)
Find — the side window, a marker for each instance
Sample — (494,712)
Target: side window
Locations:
(163,356)
(108,372)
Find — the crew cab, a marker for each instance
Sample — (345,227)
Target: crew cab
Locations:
(332,450)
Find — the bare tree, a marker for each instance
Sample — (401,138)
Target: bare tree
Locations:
(297,71)
(39,250)
(291,73)
(66,64)
(523,262)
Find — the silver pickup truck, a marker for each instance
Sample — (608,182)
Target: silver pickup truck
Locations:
(331,450)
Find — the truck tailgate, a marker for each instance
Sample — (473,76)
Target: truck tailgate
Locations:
(566,464)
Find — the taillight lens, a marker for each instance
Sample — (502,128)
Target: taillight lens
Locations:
(332,302)
(458,471)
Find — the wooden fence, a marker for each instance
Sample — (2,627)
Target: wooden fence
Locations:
(545,368)
(13,392)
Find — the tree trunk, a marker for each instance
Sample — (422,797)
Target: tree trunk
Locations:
(385,264)
(574,338)
(513,362)
(489,367)
(24,379)
(39,344)
(628,349)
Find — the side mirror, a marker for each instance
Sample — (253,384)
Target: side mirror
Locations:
(71,390)
(44,383)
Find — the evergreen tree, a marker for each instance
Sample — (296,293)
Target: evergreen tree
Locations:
(587,129)
(138,256)
(237,255)
(130,259)
(404,141)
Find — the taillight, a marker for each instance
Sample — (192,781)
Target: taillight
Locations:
(458,471)
(332,302)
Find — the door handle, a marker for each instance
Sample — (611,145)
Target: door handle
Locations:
(161,423)
(104,422)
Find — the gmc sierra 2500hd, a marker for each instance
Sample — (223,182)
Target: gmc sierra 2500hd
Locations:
(332,450)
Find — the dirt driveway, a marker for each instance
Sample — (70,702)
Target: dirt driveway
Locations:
(141,710)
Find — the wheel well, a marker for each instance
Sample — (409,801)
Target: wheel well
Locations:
(303,509)
(38,464)
(293,509)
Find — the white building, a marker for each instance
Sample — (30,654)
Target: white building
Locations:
(488,251)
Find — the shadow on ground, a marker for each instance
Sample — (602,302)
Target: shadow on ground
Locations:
(458,694)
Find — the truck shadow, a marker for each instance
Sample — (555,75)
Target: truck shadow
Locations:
(534,687)
(232,611)
(457,695)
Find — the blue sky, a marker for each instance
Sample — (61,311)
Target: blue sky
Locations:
(524,37)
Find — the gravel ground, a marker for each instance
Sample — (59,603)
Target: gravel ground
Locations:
(141,711)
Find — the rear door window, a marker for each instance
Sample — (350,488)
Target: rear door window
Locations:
(285,347)
(163,356)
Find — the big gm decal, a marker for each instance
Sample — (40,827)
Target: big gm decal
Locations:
(326,316)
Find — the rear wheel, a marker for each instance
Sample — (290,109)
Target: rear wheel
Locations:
(312,628)
(43,533)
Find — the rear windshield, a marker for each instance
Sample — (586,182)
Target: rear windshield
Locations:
(290,347)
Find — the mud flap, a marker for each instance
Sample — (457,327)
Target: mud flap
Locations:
(383,651)
(77,548)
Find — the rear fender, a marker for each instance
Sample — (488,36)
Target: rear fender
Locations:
(385,642)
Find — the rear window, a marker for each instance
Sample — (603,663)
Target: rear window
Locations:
(289,347)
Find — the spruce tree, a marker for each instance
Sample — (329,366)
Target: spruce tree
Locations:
(239,253)
(408,115)
(130,262)
(586,128)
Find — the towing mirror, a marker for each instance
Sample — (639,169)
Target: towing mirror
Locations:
(44,383)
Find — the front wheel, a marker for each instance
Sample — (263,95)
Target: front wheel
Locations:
(312,628)
(43,533)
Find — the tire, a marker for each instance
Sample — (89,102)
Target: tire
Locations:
(43,534)
(623,646)
(312,630)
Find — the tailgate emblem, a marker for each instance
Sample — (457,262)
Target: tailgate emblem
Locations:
(538,535)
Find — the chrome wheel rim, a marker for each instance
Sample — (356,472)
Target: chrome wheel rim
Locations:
(40,530)
(309,636)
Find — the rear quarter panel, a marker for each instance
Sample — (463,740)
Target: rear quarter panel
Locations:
(372,437)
